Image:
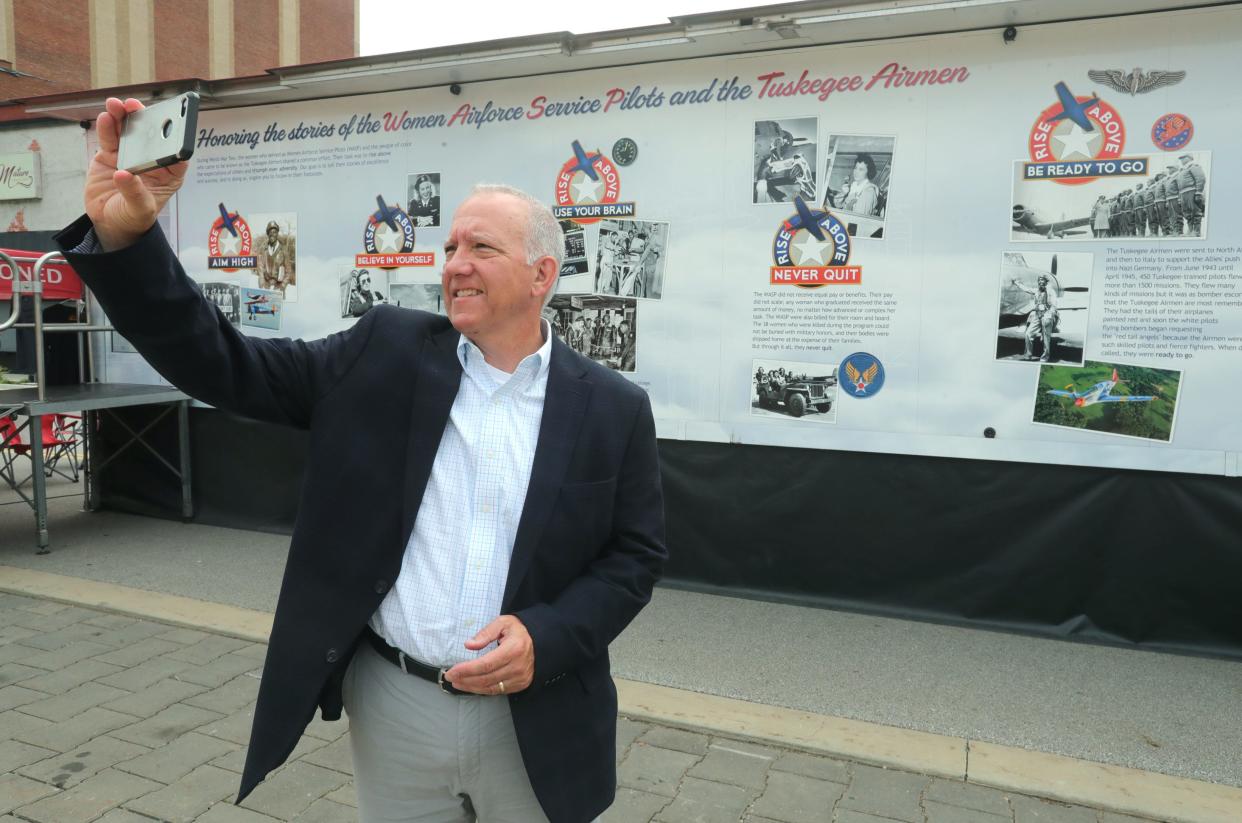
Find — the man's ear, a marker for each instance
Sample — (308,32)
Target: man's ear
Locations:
(546,271)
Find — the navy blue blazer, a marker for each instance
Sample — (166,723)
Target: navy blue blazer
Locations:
(375,399)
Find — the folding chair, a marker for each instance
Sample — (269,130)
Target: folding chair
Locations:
(60,443)
(11,447)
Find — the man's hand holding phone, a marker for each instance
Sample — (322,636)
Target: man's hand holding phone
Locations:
(123,206)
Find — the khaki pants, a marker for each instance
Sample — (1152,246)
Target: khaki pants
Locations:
(423,755)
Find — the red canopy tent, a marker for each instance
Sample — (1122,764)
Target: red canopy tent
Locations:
(60,282)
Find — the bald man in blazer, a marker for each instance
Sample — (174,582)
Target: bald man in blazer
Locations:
(587,535)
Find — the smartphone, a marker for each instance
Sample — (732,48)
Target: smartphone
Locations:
(159,135)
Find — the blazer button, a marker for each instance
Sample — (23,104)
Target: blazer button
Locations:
(381,586)
(332,656)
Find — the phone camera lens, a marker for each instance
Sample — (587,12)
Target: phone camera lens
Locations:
(167,130)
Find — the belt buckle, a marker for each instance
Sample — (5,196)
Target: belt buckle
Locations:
(440,682)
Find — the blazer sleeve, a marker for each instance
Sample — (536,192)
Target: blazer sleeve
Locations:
(188,340)
(578,624)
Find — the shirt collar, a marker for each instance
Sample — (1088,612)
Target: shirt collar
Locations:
(468,353)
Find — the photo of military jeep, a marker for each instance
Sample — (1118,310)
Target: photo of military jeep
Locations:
(796,395)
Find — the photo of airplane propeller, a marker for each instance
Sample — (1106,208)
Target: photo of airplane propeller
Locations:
(1100,393)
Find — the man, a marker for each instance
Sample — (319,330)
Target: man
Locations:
(1042,320)
(1191,182)
(630,284)
(1172,202)
(1100,217)
(627,348)
(1139,199)
(1158,221)
(609,251)
(1149,204)
(275,267)
(579,338)
(506,540)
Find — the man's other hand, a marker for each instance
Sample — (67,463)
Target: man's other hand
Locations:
(512,662)
(123,206)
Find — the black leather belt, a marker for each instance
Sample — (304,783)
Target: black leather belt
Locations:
(409,665)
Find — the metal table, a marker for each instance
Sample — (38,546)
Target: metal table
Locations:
(103,398)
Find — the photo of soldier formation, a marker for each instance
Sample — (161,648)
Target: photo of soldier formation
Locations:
(1171,204)
(1170,200)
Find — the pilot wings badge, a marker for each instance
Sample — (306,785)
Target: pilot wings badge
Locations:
(1137,81)
(864,374)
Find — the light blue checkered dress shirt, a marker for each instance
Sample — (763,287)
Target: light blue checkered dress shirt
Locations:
(456,563)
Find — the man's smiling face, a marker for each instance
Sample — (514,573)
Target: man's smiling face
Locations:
(489,288)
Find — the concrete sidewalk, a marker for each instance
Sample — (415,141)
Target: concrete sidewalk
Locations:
(121,719)
(996,715)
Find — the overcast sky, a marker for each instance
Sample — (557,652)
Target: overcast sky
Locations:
(390,25)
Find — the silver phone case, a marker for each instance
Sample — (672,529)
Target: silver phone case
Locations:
(159,135)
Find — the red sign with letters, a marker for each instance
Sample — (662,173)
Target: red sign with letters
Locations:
(60,282)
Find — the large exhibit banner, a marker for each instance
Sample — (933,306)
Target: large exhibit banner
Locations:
(946,245)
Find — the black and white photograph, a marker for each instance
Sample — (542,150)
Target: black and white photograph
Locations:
(576,261)
(1044,305)
(857,174)
(428,297)
(785,160)
(424,196)
(1169,201)
(226,297)
(361,289)
(631,258)
(603,328)
(275,253)
(784,389)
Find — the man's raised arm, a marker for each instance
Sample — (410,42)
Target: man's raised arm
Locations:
(123,206)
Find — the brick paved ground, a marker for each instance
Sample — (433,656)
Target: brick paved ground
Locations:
(122,720)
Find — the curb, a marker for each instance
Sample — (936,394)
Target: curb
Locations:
(1070,780)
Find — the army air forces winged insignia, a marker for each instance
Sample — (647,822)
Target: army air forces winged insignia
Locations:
(864,374)
(1136,82)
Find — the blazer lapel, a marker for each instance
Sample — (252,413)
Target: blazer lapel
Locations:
(438,376)
(563,407)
